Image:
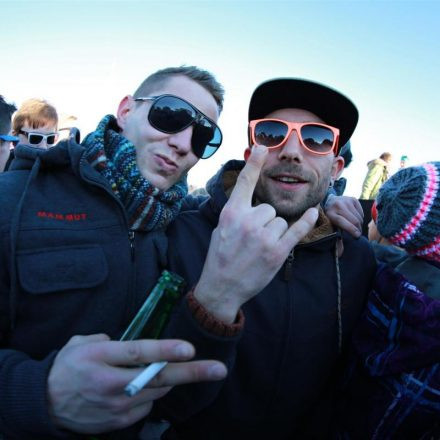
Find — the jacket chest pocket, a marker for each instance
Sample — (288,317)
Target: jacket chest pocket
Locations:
(62,268)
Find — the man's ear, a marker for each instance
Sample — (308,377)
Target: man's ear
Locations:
(337,167)
(125,107)
(247,153)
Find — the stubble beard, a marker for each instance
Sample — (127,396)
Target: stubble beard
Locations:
(291,205)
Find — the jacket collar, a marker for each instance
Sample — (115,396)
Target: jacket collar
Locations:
(64,153)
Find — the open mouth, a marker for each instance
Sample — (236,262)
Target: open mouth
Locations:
(288,179)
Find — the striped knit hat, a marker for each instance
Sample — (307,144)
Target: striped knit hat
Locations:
(408,208)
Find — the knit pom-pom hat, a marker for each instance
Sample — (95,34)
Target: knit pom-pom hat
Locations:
(408,206)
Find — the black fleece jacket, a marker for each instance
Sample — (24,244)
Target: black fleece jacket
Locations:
(68,266)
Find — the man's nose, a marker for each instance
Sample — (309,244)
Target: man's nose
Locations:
(292,149)
(181,140)
(43,144)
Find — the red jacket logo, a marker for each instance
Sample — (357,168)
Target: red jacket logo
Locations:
(63,217)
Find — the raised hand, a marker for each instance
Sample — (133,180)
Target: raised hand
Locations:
(248,247)
(345,213)
(87,380)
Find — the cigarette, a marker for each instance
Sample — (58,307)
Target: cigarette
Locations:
(142,379)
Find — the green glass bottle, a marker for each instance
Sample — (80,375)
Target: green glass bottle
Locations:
(152,317)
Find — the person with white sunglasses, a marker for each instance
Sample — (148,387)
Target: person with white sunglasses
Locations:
(36,124)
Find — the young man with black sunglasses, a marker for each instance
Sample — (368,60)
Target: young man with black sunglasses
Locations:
(277,313)
(82,245)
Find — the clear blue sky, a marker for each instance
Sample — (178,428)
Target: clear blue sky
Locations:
(85,56)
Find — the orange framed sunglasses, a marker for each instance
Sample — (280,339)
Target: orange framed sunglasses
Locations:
(316,138)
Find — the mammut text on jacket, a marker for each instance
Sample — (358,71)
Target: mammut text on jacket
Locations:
(68,266)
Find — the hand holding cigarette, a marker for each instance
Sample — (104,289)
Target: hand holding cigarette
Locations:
(144,378)
(89,374)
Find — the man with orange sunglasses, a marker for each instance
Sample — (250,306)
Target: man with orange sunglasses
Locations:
(277,289)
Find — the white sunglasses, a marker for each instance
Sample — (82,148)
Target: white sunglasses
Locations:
(36,138)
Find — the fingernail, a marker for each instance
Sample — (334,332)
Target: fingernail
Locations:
(183,350)
(259,149)
(217,372)
(256,148)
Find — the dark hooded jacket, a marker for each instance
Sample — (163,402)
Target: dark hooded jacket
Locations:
(68,265)
(282,366)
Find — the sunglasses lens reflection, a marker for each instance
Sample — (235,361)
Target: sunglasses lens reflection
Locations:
(206,139)
(51,139)
(270,133)
(170,115)
(35,139)
(317,138)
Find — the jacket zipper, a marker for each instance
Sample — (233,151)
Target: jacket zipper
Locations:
(291,257)
(288,265)
(131,239)
(131,297)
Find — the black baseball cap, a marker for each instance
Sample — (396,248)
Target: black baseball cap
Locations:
(332,107)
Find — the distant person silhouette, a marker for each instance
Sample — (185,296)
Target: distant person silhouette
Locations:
(403,161)
(6,139)
(378,173)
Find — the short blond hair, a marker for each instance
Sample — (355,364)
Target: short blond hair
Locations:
(204,78)
(35,113)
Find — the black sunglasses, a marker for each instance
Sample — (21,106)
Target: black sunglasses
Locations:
(36,138)
(171,114)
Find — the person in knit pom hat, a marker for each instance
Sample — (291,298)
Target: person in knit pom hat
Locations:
(393,390)
(384,250)
(408,208)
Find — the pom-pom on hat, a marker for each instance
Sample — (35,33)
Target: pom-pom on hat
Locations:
(408,206)
(374,212)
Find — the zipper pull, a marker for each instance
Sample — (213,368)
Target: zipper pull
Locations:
(288,265)
(131,238)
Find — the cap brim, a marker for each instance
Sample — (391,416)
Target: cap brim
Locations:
(8,138)
(331,106)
